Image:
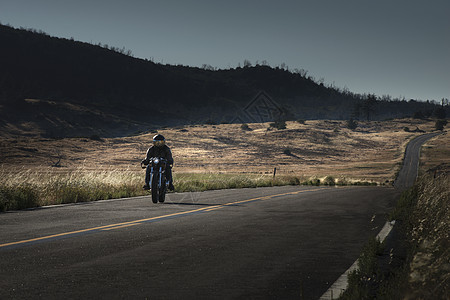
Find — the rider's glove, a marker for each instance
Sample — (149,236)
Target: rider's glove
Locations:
(145,161)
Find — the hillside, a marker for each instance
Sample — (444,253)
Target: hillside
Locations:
(57,87)
(316,149)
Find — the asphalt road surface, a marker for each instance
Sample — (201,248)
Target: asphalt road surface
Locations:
(281,242)
(408,173)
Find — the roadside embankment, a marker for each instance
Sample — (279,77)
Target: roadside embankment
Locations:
(414,263)
(428,236)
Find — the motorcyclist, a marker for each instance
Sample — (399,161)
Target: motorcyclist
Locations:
(159,149)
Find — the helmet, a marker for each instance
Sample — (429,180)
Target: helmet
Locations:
(159,140)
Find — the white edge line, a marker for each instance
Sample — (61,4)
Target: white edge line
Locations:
(341,284)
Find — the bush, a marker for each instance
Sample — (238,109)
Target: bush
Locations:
(287,151)
(315,182)
(364,281)
(245,127)
(352,124)
(329,180)
(20,197)
(278,125)
(440,124)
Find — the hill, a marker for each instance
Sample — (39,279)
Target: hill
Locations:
(57,87)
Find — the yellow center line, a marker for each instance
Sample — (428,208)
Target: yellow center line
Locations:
(215,208)
(137,222)
(111,226)
(123,226)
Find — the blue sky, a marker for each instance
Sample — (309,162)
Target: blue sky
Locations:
(398,48)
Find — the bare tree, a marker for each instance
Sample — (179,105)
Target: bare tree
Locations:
(55,159)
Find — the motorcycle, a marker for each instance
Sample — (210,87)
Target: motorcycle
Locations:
(158,180)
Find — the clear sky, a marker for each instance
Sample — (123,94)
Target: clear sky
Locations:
(387,47)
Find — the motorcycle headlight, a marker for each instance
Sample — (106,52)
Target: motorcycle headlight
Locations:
(156,161)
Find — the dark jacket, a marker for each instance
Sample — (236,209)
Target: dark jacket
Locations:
(163,152)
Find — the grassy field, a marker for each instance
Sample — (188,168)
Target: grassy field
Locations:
(53,171)
(316,148)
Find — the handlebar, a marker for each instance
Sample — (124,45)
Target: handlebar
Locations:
(146,162)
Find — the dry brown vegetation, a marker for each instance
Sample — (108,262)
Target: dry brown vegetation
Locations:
(372,152)
(429,275)
(435,155)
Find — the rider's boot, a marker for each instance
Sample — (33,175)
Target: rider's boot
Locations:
(146,187)
(171,187)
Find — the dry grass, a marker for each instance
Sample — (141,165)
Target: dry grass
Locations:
(30,188)
(430,266)
(435,155)
(373,152)
(206,157)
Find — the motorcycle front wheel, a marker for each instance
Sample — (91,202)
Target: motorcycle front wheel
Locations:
(155,190)
(162,194)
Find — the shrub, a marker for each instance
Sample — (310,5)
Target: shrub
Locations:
(20,197)
(315,182)
(440,124)
(329,180)
(278,125)
(245,127)
(364,281)
(287,151)
(352,124)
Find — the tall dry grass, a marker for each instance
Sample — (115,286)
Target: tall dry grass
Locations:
(40,187)
(187,182)
(25,188)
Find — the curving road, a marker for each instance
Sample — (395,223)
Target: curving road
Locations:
(281,242)
(408,173)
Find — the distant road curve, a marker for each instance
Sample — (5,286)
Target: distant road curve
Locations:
(410,168)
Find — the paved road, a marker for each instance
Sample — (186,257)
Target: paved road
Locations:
(408,173)
(281,242)
(266,242)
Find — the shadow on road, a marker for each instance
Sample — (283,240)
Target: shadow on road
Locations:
(185,203)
